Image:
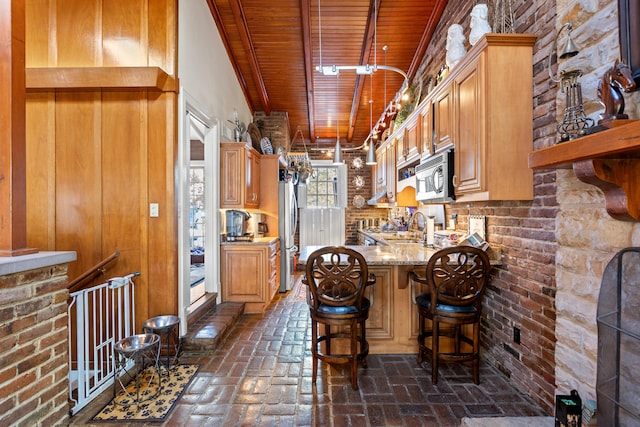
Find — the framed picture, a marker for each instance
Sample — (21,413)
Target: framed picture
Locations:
(629,16)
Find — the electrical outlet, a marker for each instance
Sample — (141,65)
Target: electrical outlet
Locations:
(516,335)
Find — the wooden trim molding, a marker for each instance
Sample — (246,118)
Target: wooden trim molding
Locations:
(610,160)
(100,78)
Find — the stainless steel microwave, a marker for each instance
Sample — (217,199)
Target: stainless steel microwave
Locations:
(434,178)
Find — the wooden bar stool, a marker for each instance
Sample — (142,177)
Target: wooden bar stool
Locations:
(337,278)
(456,279)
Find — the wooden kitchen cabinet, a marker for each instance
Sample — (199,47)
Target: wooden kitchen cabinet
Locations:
(239,176)
(390,170)
(443,116)
(408,144)
(249,273)
(380,173)
(493,118)
(426,136)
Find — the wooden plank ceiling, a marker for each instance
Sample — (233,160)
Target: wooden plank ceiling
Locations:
(276,45)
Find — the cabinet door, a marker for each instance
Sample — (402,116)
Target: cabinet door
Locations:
(469,140)
(232,173)
(380,181)
(253,180)
(426,137)
(391,171)
(243,273)
(401,152)
(412,146)
(380,322)
(443,118)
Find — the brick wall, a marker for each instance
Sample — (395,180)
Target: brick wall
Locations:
(523,289)
(33,348)
(556,246)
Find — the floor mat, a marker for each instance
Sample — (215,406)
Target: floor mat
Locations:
(155,409)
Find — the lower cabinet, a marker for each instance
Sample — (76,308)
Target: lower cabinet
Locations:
(249,273)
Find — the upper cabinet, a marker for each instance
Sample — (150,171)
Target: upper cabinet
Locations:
(493,119)
(408,143)
(442,107)
(239,176)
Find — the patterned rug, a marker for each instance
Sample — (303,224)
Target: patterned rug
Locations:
(155,409)
(298,291)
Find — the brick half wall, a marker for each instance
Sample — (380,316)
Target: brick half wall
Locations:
(33,347)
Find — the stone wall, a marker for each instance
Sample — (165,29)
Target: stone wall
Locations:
(33,348)
(587,236)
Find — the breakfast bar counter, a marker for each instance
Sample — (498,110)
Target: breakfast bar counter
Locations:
(393,319)
(392,327)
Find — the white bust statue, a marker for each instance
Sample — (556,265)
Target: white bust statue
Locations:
(479,25)
(455,45)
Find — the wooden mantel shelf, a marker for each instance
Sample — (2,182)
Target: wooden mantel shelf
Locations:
(609,160)
(100,78)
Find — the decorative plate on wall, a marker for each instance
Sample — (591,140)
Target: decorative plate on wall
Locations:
(358,181)
(357,163)
(265,145)
(358,201)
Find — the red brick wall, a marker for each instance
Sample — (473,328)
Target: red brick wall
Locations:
(33,348)
(523,289)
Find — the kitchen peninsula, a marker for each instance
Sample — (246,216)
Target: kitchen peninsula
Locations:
(393,320)
(392,327)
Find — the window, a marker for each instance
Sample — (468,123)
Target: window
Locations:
(196,207)
(322,188)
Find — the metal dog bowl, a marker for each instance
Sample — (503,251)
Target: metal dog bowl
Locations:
(130,345)
(161,324)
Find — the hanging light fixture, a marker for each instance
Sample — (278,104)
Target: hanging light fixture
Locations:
(366,69)
(337,152)
(371,155)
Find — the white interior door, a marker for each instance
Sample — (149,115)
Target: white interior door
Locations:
(195,124)
(322,207)
(322,226)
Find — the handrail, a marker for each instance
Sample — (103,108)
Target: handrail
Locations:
(98,269)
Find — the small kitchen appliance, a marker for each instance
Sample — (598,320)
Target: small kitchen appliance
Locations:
(434,179)
(236,224)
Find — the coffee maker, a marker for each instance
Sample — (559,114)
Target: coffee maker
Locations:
(236,224)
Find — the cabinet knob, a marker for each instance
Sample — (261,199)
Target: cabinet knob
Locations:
(454,180)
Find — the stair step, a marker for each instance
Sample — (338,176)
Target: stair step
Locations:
(209,331)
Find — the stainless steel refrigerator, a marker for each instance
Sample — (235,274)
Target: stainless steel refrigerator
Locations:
(287,224)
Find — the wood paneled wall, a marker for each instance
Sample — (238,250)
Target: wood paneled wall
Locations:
(97,156)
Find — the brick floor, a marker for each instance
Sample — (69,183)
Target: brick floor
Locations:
(261,376)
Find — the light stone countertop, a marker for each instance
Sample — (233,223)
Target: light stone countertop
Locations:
(395,254)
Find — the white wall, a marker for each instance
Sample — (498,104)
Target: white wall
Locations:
(204,69)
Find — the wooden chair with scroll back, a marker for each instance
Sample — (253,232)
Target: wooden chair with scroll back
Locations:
(337,278)
(456,279)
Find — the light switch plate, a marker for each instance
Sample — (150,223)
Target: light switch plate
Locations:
(154,210)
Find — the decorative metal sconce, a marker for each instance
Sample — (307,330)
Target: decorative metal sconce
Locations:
(575,122)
